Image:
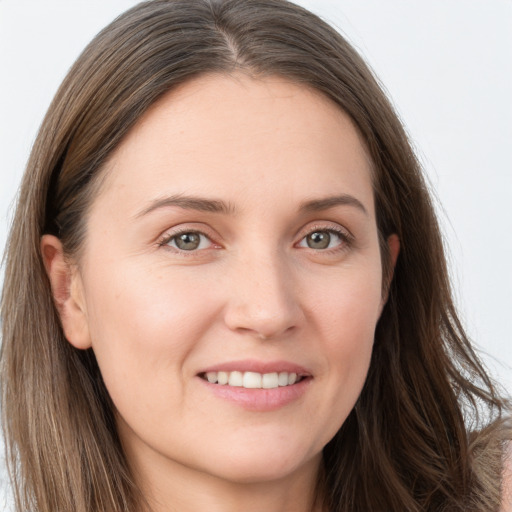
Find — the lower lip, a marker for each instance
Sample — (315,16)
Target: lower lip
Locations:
(259,400)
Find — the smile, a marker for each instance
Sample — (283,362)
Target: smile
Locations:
(252,380)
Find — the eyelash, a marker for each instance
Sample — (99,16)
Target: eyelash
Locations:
(346,239)
(168,237)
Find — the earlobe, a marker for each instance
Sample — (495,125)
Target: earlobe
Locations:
(67,292)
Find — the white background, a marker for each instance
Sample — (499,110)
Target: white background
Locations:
(447,65)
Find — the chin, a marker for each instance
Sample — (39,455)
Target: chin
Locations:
(261,465)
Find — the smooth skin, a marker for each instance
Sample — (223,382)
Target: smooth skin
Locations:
(236,222)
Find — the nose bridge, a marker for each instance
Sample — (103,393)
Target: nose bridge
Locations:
(263,298)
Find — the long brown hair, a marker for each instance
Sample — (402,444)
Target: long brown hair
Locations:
(428,430)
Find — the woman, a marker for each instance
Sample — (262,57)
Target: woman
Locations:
(225,285)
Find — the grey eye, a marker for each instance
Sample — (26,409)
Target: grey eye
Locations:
(187,241)
(318,240)
(323,239)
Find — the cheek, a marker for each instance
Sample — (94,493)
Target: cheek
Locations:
(346,318)
(348,306)
(144,326)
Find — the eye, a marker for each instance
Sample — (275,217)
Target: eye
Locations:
(187,241)
(323,239)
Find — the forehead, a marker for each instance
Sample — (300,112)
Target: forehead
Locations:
(233,135)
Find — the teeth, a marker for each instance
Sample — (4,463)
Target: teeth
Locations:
(252,380)
(282,379)
(236,379)
(211,377)
(222,377)
(270,380)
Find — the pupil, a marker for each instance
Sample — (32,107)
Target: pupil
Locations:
(319,240)
(188,241)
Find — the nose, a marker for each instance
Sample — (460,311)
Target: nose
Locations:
(263,299)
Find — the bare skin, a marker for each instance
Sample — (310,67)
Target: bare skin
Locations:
(235,230)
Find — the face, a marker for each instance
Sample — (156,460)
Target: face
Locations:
(230,281)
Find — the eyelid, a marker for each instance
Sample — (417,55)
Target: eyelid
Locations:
(172,241)
(170,234)
(343,233)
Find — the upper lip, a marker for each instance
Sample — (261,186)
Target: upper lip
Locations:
(251,365)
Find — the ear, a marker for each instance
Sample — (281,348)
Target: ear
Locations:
(67,291)
(393,250)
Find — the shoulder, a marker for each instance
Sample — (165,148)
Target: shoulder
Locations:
(507,481)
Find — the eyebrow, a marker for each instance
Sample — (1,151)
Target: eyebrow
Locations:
(316,205)
(188,203)
(219,206)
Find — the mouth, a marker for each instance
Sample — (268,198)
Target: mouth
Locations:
(257,386)
(253,380)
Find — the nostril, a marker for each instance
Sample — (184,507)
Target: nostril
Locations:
(268,336)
